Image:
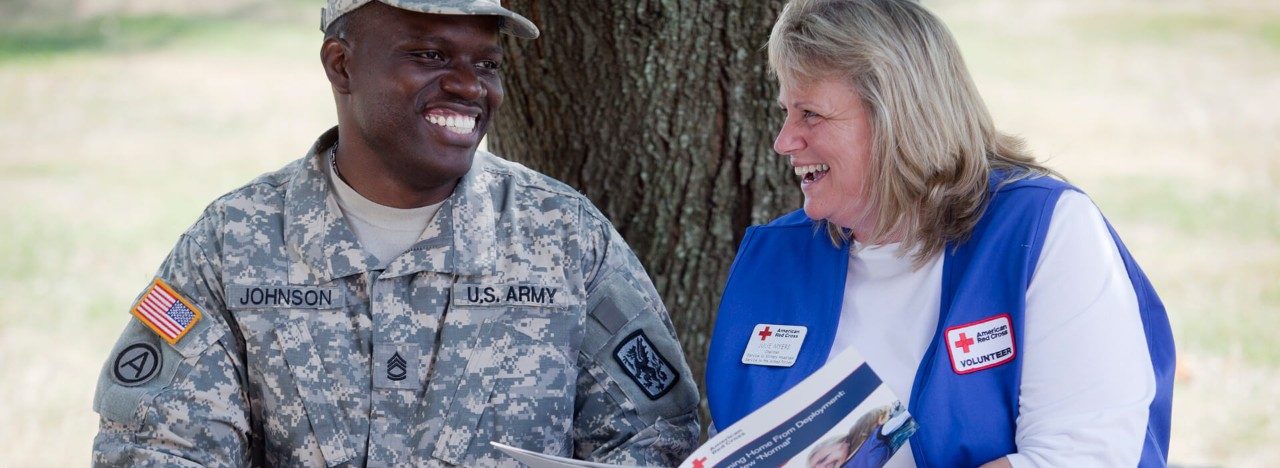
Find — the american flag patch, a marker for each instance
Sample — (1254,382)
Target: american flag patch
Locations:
(166,312)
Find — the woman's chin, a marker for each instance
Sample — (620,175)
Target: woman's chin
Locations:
(814,212)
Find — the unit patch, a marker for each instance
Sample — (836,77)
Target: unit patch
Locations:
(507,295)
(980,345)
(642,362)
(166,312)
(136,364)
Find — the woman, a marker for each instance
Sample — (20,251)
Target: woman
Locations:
(991,295)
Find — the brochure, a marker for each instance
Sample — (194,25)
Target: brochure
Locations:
(841,416)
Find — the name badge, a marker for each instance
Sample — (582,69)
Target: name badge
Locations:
(241,296)
(517,295)
(774,345)
(980,345)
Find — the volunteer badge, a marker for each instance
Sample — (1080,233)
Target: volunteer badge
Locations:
(980,345)
(774,345)
(166,312)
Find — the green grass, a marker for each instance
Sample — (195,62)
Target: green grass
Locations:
(1194,211)
(115,34)
(1181,27)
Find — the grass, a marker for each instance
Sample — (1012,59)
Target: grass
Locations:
(118,127)
(1182,27)
(233,28)
(1195,211)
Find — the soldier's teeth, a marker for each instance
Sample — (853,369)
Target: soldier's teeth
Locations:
(461,124)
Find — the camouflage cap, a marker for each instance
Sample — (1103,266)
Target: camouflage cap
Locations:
(511,23)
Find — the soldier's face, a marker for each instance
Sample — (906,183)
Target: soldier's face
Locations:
(424,89)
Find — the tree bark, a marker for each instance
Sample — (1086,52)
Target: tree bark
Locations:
(662,113)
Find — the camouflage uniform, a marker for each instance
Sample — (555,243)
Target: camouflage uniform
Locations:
(520,316)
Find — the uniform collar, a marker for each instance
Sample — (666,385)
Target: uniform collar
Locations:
(462,238)
(459,240)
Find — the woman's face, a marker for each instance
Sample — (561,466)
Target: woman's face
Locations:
(827,136)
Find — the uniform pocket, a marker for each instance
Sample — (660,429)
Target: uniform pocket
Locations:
(309,376)
(518,386)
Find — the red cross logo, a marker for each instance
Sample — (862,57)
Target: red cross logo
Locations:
(964,342)
(765,333)
(698,463)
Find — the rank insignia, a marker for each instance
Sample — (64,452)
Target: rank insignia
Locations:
(642,362)
(166,312)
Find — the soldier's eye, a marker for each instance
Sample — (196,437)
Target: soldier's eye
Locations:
(430,55)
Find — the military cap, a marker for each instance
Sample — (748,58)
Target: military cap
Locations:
(511,23)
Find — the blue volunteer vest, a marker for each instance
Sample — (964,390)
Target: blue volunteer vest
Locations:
(789,273)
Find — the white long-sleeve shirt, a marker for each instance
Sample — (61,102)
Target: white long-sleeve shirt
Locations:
(1087,377)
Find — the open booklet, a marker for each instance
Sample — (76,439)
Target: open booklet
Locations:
(841,416)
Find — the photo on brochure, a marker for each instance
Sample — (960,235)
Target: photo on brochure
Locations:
(840,416)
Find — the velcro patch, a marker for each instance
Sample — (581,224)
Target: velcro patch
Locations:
(980,345)
(136,364)
(166,312)
(504,295)
(645,365)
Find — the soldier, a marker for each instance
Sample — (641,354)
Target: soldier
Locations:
(397,297)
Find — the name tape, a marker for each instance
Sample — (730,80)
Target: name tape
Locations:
(241,296)
(473,295)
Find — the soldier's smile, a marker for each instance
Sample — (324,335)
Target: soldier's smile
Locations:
(454,127)
(421,90)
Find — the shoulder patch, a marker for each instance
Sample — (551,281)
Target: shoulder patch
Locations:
(136,364)
(645,365)
(166,312)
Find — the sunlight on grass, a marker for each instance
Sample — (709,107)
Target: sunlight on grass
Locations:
(123,34)
(1181,27)
(115,132)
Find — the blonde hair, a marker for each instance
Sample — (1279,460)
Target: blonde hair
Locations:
(933,141)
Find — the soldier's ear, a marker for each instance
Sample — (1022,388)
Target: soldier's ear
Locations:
(335,55)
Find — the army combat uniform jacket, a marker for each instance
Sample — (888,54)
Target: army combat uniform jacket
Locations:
(520,316)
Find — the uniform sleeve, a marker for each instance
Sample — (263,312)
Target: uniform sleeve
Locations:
(1087,378)
(181,404)
(637,402)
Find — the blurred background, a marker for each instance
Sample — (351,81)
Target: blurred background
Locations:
(121,119)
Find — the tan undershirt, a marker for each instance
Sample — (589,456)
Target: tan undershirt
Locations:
(383,231)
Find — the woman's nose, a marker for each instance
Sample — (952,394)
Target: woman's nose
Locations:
(788,141)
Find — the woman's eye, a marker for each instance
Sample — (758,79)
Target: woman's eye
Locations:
(489,65)
(431,55)
(808,115)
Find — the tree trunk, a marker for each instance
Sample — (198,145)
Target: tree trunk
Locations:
(663,113)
